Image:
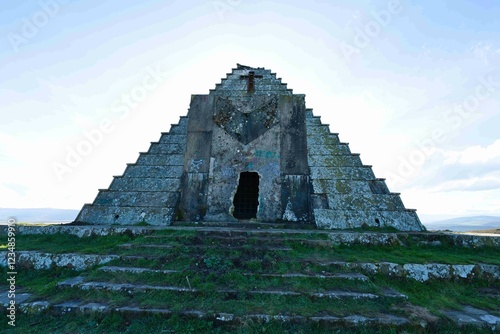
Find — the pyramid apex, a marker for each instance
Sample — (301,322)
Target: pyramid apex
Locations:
(243,67)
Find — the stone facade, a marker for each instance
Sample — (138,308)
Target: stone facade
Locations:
(250,124)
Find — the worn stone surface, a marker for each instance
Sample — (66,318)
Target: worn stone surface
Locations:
(21,297)
(424,272)
(473,316)
(80,231)
(71,282)
(136,270)
(38,306)
(349,238)
(348,276)
(72,307)
(39,260)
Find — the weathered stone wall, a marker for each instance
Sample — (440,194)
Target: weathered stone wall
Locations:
(229,159)
(261,131)
(148,191)
(194,190)
(345,193)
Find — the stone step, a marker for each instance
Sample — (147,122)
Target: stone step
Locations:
(333,160)
(80,283)
(449,238)
(172,148)
(171,138)
(318,130)
(136,198)
(347,276)
(334,187)
(248,231)
(365,202)
(232,293)
(177,130)
(313,147)
(121,183)
(329,140)
(149,171)
(421,272)
(225,246)
(126,215)
(136,270)
(234,87)
(219,318)
(151,159)
(342,172)
(263,90)
(348,219)
(222,240)
(244,224)
(324,275)
(312,120)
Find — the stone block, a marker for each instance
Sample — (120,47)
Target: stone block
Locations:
(149,159)
(178,130)
(350,173)
(318,130)
(365,201)
(329,140)
(136,198)
(173,148)
(125,215)
(344,219)
(322,149)
(335,160)
(169,138)
(310,114)
(323,186)
(145,184)
(158,171)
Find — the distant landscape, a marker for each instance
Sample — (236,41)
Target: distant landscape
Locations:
(462,224)
(48,215)
(41,215)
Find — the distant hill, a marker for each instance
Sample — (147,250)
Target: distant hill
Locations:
(463,224)
(38,215)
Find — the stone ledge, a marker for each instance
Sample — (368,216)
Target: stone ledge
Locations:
(399,238)
(219,317)
(423,272)
(80,230)
(38,260)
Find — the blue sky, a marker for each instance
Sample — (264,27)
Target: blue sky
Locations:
(414,86)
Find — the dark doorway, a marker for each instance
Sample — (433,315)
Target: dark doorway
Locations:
(246,199)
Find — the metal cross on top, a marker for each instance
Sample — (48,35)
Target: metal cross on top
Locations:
(251,76)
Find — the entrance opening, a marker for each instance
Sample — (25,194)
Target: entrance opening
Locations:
(246,199)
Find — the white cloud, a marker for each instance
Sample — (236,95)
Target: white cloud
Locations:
(480,154)
(485,51)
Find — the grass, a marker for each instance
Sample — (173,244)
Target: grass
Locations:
(438,295)
(115,323)
(66,243)
(400,254)
(204,281)
(181,241)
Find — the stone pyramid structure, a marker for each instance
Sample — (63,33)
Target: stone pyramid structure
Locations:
(250,150)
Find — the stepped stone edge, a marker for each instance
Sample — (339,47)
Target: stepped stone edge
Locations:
(415,271)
